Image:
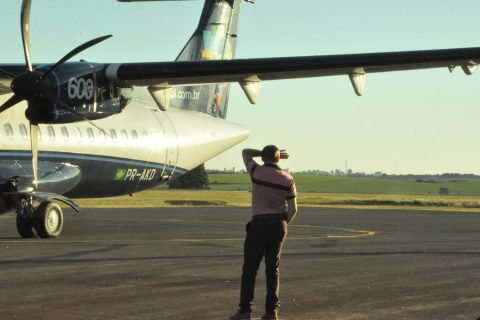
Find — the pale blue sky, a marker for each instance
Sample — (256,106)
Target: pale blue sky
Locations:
(407,122)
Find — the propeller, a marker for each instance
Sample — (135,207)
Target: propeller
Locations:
(76,51)
(25,25)
(32,87)
(34,145)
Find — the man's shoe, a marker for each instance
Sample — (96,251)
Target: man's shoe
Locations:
(270,316)
(241,315)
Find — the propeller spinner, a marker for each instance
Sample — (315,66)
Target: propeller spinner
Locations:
(33,87)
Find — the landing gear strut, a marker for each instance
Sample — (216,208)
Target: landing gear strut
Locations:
(46,218)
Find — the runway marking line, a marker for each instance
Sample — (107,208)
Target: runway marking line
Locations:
(351,234)
(357,233)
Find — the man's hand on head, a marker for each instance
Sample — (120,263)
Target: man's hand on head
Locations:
(284,154)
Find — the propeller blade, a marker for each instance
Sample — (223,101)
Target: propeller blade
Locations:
(76,51)
(10,103)
(25,25)
(34,142)
(63,105)
(9,74)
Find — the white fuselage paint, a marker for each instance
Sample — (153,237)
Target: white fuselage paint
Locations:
(176,138)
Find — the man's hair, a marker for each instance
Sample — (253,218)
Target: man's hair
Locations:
(270,154)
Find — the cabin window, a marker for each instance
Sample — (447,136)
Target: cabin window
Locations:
(8,131)
(78,134)
(134,135)
(101,136)
(90,135)
(23,131)
(65,133)
(113,135)
(145,137)
(124,136)
(51,133)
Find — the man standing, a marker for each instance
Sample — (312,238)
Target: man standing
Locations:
(274,205)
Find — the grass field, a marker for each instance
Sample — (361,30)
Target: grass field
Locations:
(355,185)
(233,190)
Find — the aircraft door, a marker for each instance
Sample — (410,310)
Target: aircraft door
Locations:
(171,146)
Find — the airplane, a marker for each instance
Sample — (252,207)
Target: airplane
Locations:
(78,129)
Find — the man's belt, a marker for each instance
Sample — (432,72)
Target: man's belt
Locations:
(282,216)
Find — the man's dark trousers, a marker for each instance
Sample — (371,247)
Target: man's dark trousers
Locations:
(265,237)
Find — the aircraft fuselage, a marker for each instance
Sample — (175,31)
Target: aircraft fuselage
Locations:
(136,150)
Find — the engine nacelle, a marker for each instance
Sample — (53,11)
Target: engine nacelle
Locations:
(84,88)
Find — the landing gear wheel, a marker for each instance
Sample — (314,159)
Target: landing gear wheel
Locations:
(25,226)
(48,220)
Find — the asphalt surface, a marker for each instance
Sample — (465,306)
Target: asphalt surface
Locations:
(186,264)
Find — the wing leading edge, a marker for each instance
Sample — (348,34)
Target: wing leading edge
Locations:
(251,72)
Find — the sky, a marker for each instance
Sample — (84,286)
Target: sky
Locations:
(422,122)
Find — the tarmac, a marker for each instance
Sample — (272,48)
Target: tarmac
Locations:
(185,263)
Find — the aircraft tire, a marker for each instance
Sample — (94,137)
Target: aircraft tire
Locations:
(24,226)
(48,220)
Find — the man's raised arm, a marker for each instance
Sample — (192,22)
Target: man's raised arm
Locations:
(248,154)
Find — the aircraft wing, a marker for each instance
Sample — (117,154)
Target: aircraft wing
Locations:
(252,71)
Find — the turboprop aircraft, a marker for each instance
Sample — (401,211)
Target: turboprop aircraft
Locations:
(73,130)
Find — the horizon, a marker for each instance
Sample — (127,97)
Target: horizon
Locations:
(343,173)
